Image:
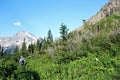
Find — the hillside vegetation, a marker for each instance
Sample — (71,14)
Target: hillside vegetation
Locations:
(92,53)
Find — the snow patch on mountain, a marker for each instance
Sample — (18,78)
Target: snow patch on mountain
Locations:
(9,43)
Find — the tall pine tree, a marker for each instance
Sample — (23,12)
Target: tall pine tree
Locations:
(1,52)
(24,49)
(38,45)
(63,31)
(16,50)
(31,48)
(16,54)
(49,38)
(64,34)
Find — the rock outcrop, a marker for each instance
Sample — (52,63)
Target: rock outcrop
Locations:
(109,8)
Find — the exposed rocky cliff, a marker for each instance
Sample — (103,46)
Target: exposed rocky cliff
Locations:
(109,8)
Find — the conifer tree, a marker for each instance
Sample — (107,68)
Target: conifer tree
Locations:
(24,49)
(16,50)
(16,54)
(49,38)
(44,44)
(31,48)
(1,52)
(38,45)
(24,46)
(63,31)
(63,41)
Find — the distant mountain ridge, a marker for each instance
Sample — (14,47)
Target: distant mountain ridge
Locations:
(9,43)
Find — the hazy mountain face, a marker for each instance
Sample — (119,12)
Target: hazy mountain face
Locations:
(9,43)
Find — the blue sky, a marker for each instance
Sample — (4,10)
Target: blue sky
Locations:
(38,16)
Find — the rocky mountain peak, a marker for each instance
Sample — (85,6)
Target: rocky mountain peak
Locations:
(21,35)
(9,43)
(21,32)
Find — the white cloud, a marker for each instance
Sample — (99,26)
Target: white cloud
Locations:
(17,24)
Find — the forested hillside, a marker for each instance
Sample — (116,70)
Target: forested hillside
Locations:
(91,53)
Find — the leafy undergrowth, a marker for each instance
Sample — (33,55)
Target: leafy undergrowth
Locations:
(91,68)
